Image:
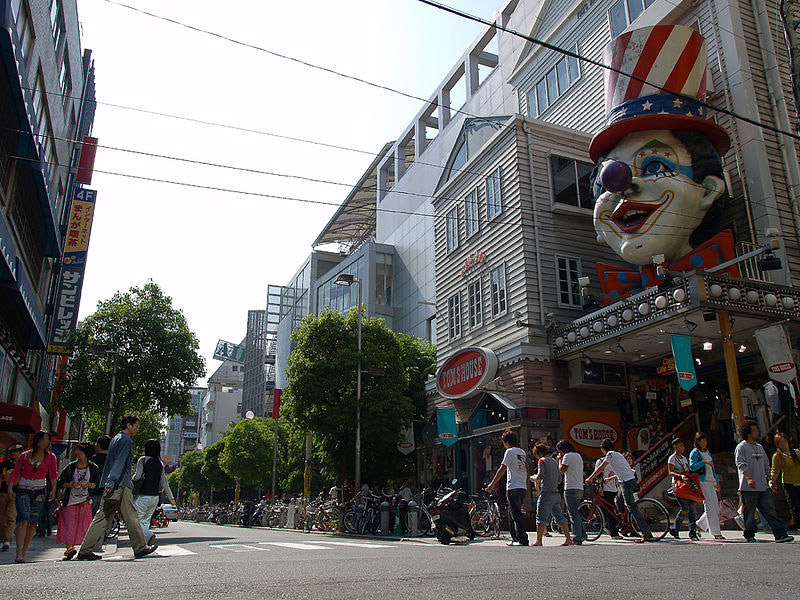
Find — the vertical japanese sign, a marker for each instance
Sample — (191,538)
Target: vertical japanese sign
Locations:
(73,263)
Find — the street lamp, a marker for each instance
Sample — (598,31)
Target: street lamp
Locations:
(347,279)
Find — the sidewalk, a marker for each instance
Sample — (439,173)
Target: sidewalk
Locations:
(46,549)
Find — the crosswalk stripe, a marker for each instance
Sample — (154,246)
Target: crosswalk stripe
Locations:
(295,546)
(356,544)
(173,550)
(238,547)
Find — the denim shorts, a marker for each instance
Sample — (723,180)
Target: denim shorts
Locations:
(29,504)
(548,507)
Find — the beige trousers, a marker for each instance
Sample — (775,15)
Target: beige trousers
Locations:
(120,499)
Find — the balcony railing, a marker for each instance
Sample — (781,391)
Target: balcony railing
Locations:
(748,269)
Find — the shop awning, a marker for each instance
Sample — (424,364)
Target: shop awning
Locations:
(19,419)
(27,147)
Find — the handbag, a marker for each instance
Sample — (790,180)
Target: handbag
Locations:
(689,489)
(138,484)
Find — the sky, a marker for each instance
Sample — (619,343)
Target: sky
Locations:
(215,252)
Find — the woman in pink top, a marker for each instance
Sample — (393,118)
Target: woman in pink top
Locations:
(28,487)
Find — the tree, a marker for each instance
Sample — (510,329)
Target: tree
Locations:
(212,471)
(248,450)
(191,475)
(151,426)
(321,396)
(153,348)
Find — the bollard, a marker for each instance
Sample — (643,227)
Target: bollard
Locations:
(341,508)
(290,517)
(386,516)
(283,517)
(413,519)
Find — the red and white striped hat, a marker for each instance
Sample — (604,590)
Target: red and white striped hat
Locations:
(672,59)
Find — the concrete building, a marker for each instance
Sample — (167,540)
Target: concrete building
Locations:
(222,403)
(254,390)
(47,98)
(183,432)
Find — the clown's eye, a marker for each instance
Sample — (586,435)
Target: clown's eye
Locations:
(657,168)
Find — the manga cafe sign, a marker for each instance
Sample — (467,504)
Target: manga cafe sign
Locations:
(466,372)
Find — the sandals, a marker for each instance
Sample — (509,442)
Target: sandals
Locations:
(19,560)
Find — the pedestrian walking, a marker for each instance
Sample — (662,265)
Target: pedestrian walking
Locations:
(99,459)
(148,481)
(628,485)
(75,482)
(117,496)
(515,466)
(548,505)
(702,463)
(610,490)
(786,470)
(751,462)
(8,509)
(678,467)
(28,487)
(570,464)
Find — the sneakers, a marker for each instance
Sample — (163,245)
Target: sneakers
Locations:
(750,540)
(69,554)
(694,537)
(617,537)
(784,539)
(89,556)
(674,533)
(515,543)
(5,546)
(147,550)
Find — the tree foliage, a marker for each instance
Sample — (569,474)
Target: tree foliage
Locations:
(155,354)
(248,451)
(212,470)
(322,390)
(191,475)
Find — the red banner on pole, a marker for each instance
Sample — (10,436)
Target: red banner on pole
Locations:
(86,162)
(276,403)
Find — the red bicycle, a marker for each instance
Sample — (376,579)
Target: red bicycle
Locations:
(595,512)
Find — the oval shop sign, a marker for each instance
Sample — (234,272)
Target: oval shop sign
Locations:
(592,433)
(466,372)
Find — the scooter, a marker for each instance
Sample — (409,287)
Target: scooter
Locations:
(454,519)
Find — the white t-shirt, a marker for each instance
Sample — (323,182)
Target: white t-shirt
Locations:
(709,478)
(78,494)
(516,464)
(620,466)
(608,473)
(681,464)
(573,477)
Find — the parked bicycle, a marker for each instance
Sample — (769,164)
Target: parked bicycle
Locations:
(484,512)
(594,514)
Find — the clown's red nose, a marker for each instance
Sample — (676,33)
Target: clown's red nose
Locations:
(616,177)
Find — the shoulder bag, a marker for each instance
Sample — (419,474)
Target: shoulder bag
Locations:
(139,483)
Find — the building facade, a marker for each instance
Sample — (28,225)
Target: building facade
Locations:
(183,433)
(47,98)
(222,402)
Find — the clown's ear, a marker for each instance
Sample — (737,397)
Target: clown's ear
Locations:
(714,188)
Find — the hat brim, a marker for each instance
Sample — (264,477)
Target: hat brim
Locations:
(608,137)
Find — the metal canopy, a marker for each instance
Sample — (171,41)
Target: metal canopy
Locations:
(354,221)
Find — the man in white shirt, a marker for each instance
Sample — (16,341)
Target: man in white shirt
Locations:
(570,464)
(515,464)
(627,483)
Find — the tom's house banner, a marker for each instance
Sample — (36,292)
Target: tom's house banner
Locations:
(776,353)
(446,421)
(684,361)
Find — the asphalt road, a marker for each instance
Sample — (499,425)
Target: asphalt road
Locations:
(212,561)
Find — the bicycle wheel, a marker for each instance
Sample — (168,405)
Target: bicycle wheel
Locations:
(480,522)
(424,522)
(655,515)
(351,522)
(113,528)
(593,519)
(494,525)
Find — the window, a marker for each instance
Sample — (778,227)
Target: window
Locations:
(474,303)
(569,291)
(65,77)
(454,315)
(570,180)
(22,19)
(383,278)
(452,229)
(471,217)
(494,198)
(625,12)
(554,84)
(498,281)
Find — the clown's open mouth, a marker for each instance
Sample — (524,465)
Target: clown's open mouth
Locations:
(630,216)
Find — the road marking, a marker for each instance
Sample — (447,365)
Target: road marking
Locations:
(173,550)
(238,547)
(295,546)
(356,544)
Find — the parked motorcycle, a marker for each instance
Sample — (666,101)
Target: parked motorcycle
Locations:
(454,519)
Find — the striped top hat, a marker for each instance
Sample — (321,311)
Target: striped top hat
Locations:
(672,59)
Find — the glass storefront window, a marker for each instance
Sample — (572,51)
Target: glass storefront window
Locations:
(7,371)
(24,392)
(383,278)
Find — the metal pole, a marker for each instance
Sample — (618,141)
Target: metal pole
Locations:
(358,396)
(109,414)
(274,457)
(732,371)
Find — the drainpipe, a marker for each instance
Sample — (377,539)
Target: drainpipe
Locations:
(535,206)
(779,108)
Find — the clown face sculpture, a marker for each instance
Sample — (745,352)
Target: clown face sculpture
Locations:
(649,199)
